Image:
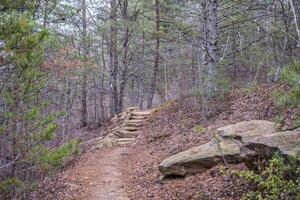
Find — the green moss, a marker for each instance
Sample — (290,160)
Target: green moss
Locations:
(199,129)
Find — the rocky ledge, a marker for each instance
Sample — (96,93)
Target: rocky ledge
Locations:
(242,142)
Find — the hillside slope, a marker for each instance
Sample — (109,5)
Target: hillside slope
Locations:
(170,130)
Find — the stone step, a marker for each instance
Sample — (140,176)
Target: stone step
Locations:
(126,134)
(134,121)
(137,117)
(124,141)
(132,124)
(141,113)
(129,128)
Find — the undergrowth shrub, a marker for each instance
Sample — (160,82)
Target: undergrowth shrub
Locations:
(11,185)
(249,88)
(43,159)
(48,159)
(290,97)
(276,181)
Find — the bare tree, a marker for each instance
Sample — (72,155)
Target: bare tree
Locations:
(157,55)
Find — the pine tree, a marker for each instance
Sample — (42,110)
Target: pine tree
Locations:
(26,124)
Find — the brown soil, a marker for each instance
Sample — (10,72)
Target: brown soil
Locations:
(100,175)
(96,176)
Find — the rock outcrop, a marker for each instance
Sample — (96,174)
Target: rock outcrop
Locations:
(200,158)
(247,129)
(241,142)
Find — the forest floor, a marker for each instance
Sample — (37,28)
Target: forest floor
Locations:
(131,172)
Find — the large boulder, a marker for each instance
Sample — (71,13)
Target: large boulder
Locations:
(201,157)
(241,142)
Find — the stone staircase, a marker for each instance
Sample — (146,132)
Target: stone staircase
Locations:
(131,120)
(127,125)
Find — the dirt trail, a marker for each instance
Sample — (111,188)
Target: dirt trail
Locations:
(99,174)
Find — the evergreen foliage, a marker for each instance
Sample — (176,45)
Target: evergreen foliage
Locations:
(28,126)
(276,181)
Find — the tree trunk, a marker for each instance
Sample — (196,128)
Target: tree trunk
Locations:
(157,55)
(85,54)
(233,49)
(125,56)
(141,75)
(113,62)
(203,45)
(45,17)
(102,107)
(194,65)
(212,48)
(296,22)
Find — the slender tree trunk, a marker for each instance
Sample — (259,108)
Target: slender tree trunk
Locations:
(203,45)
(132,93)
(125,56)
(233,49)
(45,17)
(194,65)
(166,82)
(286,21)
(84,78)
(212,48)
(14,153)
(141,75)
(65,100)
(113,62)
(94,97)
(102,107)
(157,55)
(295,22)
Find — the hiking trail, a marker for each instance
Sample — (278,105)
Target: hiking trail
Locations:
(99,172)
